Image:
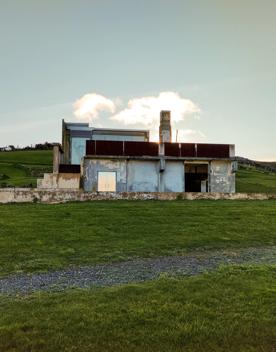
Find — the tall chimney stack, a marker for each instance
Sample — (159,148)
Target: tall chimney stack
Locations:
(165,130)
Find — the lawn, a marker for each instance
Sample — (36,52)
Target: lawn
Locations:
(37,237)
(232,309)
(254,181)
(22,168)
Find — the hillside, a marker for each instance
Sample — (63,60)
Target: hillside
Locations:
(22,168)
(252,180)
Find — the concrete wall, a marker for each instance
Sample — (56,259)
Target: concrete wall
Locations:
(91,167)
(154,175)
(222,179)
(59,181)
(31,195)
(142,176)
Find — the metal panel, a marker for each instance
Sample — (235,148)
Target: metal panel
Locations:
(213,151)
(141,149)
(106,181)
(90,147)
(172,149)
(109,148)
(188,150)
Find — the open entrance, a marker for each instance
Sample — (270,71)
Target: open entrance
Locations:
(196,177)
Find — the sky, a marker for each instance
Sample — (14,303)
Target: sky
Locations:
(116,63)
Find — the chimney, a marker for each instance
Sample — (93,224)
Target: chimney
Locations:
(165,130)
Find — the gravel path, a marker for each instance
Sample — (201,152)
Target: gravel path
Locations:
(133,271)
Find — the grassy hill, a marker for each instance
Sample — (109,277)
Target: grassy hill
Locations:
(251,180)
(22,168)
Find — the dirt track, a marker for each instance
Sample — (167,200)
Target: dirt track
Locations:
(134,271)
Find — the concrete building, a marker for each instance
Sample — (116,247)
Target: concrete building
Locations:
(111,160)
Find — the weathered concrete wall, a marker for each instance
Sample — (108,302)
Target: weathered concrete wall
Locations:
(28,195)
(222,179)
(91,167)
(154,175)
(131,176)
(142,176)
(61,180)
(172,178)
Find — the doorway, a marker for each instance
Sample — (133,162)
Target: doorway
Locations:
(196,177)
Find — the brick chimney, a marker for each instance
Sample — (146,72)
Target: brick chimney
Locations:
(165,130)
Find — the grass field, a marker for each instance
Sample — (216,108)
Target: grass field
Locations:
(22,168)
(252,180)
(37,237)
(230,310)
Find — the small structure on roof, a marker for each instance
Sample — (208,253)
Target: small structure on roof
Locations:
(120,160)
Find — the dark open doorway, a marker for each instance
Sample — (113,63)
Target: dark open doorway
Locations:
(196,177)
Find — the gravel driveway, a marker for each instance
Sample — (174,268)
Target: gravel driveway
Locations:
(133,271)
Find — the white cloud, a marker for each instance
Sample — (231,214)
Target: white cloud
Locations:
(183,136)
(89,106)
(139,112)
(188,135)
(146,110)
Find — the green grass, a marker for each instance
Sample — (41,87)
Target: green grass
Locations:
(232,309)
(22,168)
(32,157)
(254,181)
(36,237)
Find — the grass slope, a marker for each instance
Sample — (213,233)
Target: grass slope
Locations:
(230,310)
(36,237)
(253,181)
(22,168)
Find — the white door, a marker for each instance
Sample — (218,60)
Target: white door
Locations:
(106,181)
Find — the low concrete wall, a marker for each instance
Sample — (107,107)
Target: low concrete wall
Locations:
(33,195)
(59,181)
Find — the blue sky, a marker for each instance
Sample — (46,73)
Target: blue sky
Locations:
(219,55)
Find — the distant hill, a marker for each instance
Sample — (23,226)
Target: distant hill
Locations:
(271,164)
(22,168)
(261,165)
(255,176)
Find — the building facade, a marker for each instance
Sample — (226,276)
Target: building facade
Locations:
(111,160)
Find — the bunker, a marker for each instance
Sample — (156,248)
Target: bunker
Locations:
(120,160)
